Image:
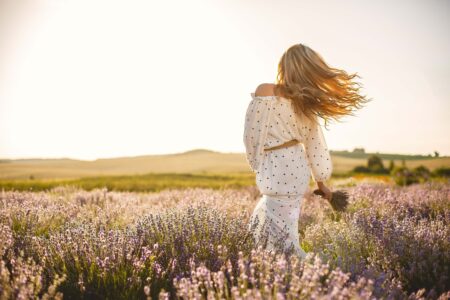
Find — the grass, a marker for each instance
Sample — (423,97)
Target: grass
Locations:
(151,182)
(155,182)
(192,162)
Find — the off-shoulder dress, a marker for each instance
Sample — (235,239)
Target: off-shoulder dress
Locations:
(282,175)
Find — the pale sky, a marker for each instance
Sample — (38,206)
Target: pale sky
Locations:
(89,79)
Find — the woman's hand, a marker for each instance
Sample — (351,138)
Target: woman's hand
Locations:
(325,190)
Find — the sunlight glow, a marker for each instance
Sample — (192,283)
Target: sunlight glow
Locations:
(96,79)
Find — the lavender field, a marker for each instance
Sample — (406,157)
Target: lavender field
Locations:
(392,243)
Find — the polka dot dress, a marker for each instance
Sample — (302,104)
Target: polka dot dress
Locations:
(282,175)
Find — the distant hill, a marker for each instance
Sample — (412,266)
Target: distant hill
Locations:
(193,161)
(385,156)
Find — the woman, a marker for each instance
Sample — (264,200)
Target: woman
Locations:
(285,144)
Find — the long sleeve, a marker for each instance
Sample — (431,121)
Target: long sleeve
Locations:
(318,154)
(255,130)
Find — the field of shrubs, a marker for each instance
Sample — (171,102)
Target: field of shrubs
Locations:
(393,242)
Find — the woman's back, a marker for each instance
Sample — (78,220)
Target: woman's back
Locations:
(271,121)
(285,124)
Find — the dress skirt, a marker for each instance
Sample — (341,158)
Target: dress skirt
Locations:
(282,179)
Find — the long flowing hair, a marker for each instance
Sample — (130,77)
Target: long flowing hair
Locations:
(316,88)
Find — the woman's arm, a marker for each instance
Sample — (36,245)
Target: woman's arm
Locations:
(324,189)
(319,157)
(255,130)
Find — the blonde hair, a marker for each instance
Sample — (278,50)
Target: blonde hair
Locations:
(316,88)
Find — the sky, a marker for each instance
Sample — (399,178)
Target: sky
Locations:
(88,79)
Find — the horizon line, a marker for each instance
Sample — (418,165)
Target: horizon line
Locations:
(208,150)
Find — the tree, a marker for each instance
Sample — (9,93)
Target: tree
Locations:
(422,173)
(359,150)
(391,165)
(442,172)
(361,169)
(436,154)
(375,164)
(404,176)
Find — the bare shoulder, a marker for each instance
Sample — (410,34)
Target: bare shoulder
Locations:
(265,89)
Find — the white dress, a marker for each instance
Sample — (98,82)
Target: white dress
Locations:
(282,175)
